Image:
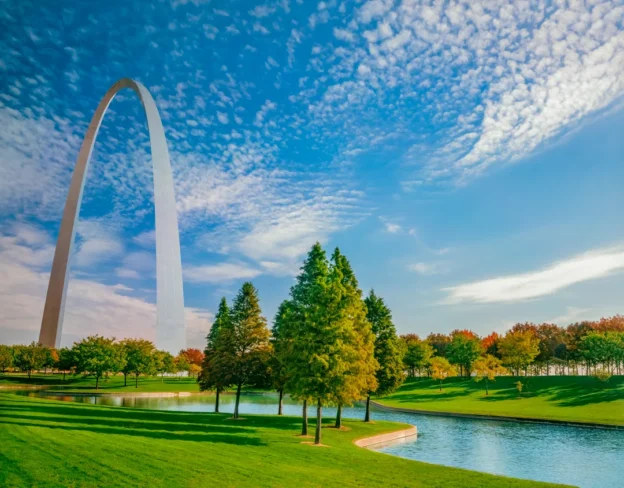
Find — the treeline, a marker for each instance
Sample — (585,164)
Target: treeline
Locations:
(101,357)
(328,346)
(592,347)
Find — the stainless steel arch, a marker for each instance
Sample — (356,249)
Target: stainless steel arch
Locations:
(170,331)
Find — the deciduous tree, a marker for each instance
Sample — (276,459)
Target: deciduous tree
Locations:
(441,369)
(214,374)
(518,349)
(487,368)
(97,356)
(417,354)
(244,343)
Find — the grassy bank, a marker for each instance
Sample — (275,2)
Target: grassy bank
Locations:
(49,443)
(567,398)
(114,384)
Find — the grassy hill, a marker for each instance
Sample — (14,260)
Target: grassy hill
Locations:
(59,444)
(568,398)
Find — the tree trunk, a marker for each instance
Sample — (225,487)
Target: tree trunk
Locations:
(440,385)
(238,390)
(97,382)
(304,416)
(162,377)
(339,417)
(125,379)
(217,402)
(136,380)
(319,420)
(29,372)
(367,414)
(486,388)
(63,375)
(281,401)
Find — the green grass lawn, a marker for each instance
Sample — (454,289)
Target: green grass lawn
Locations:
(568,398)
(114,384)
(51,443)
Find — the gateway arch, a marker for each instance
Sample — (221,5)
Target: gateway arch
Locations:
(170,331)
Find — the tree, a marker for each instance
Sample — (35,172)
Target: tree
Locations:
(214,373)
(51,357)
(440,343)
(550,337)
(181,363)
(487,368)
(194,370)
(30,358)
(441,369)
(164,362)
(97,356)
(518,349)
(6,357)
(358,339)
(193,356)
(388,350)
(317,363)
(489,344)
(140,358)
(463,350)
(244,343)
(417,353)
(66,361)
(281,339)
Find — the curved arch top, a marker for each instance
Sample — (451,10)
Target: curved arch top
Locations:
(170,331)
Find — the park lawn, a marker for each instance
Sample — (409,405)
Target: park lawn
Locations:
(51,443)
(114,384)
(566,398)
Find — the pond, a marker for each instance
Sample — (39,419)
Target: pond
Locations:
(578,456)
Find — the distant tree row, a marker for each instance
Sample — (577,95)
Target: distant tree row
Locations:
(99,357)
(328,345)
(595,347)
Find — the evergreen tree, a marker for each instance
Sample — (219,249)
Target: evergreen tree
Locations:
(213,376)
(243,344)
(388,350)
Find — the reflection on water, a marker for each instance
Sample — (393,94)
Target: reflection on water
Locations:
(573,455)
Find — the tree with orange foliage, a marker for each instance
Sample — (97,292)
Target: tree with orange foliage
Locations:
(193,356)
(489,344)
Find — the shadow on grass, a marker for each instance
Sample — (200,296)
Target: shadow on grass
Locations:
(208,436)
(563,391)
(157,420)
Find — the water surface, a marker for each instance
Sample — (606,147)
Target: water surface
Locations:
(586,457)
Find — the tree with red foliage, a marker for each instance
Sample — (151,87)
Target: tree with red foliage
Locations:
(489,344)
(193,356)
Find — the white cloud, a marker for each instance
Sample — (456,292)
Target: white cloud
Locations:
(424,268)
(591,265)
(218,273)
(223,118)
(262,11)
(91,307)
(392,228)
(344,35)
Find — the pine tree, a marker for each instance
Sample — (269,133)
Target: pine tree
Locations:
(243,344)
(388,350)
(213,375)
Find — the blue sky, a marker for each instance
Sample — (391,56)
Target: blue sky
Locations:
(467,157)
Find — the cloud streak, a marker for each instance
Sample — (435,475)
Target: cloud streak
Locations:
(584,267)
